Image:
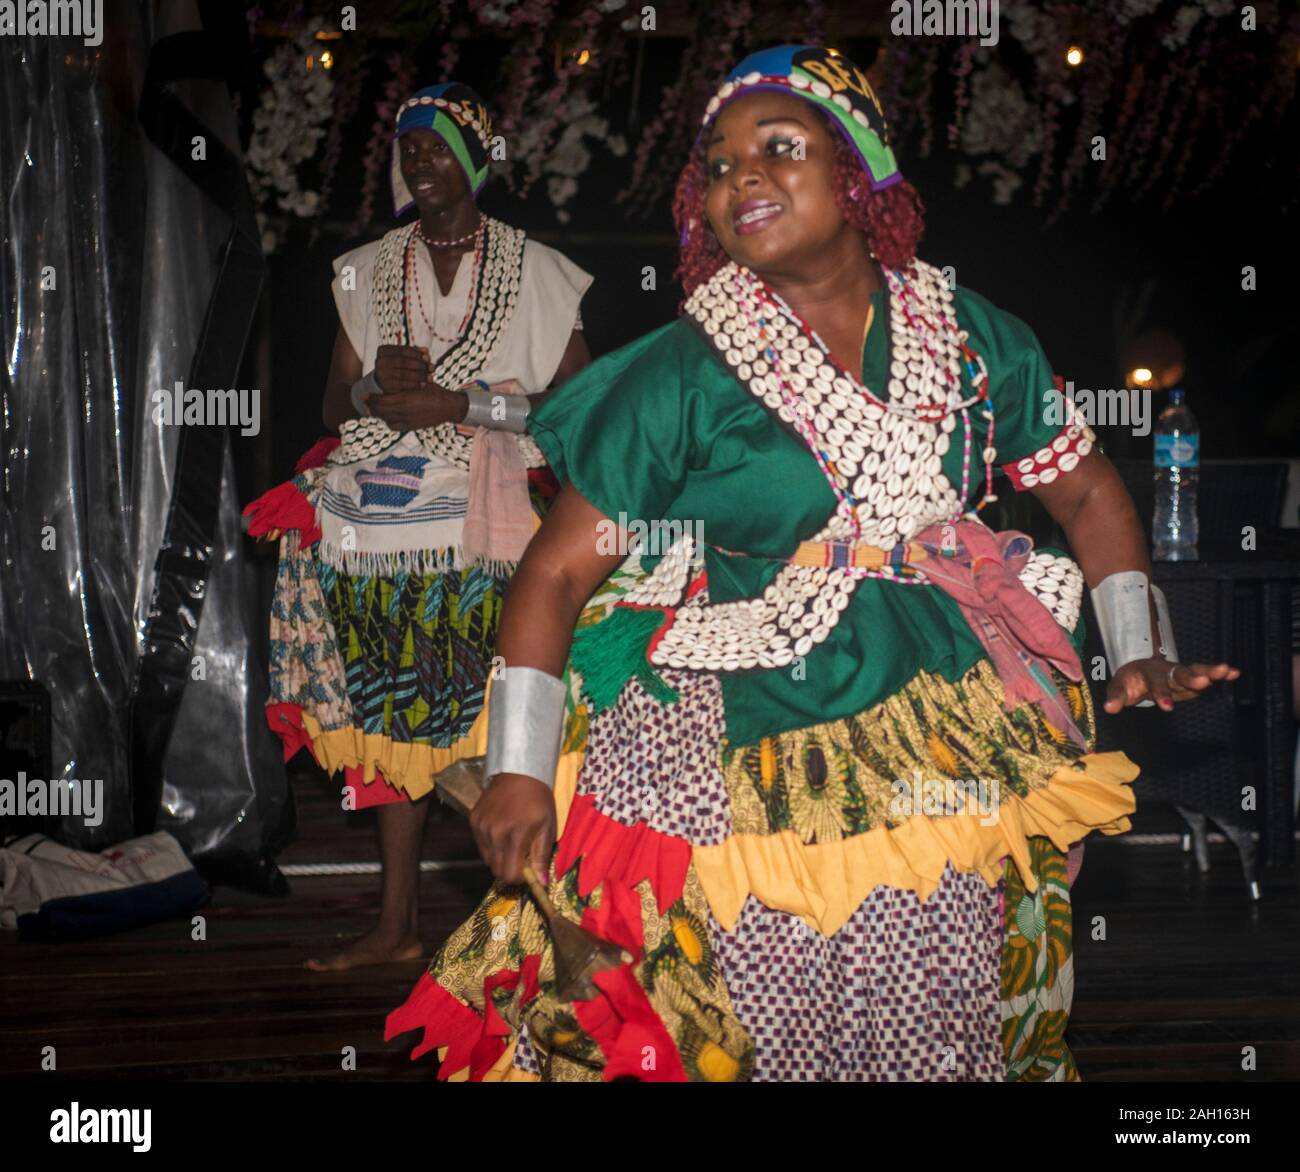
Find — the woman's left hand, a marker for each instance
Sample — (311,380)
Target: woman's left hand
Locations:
(1164,682)
(411,410)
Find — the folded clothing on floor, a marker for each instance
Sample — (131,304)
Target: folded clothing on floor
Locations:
(52,892)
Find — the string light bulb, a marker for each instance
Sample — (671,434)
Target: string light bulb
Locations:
(327,60)
(1154,360)
(1074,56)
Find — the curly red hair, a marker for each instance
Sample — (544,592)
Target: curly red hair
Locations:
(893,219)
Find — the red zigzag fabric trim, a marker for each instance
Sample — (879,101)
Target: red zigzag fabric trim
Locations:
(445,1021)
(624,854)
(621,1019)
(283,507)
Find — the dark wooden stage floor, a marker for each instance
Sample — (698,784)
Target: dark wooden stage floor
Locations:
(1188,975)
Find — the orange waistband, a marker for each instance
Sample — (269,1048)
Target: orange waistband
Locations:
(858,556)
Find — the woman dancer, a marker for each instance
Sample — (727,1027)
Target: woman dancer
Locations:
(397,542)
(815,768)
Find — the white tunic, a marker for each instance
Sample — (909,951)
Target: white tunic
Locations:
(550,289)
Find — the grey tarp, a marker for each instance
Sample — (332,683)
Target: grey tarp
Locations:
(109,259)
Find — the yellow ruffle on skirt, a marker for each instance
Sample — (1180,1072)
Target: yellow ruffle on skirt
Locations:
(825,882)
(406,766)
(817,815)
(813,834)
(1067,797)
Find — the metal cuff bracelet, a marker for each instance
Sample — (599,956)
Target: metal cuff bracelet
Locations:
(367,385)
(1124,618)
(497,411)
(525,724)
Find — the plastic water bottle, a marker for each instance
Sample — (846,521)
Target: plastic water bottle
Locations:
(1177,464)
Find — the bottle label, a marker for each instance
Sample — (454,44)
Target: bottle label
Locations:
(1178,451)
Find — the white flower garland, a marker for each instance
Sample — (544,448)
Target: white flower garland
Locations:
(288,126)
(568,157)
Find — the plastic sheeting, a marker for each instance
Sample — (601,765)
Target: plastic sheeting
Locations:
(112,249)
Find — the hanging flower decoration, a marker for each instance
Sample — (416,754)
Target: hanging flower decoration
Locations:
(287,128)
(1151,89)
(721,39)
(568,158)
(1157,84)
(347,99)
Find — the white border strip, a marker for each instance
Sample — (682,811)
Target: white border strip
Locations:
(313,870)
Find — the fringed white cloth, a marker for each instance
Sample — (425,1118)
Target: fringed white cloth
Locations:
(394,502)
(417,561)
(401,511)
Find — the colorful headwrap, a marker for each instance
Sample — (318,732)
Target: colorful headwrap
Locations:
(458,115)
(833,84)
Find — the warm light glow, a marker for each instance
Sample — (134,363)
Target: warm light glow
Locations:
(327,59)
(832,52)
(1074,55)
(310,62)
(1153,359)
(327,34)
(584,55)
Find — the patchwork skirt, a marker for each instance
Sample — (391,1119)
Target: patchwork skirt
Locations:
(883,897)
(382,677)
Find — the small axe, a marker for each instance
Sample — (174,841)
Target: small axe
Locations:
(579,954)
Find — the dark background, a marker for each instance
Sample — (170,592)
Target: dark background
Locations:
(1064,278)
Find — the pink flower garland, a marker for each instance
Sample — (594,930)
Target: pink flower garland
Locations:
(961,71)
(670,136)
(1096,89)
(552,103)
(1154,98)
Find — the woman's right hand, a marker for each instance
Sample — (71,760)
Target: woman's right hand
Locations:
(515,815)
(402,368)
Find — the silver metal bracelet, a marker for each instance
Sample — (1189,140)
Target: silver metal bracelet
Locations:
(1168,648)
(497,411)
(525,724)
(366,385)
(1124,617)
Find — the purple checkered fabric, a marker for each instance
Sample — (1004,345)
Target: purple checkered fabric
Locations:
(903,992)
(525,1056)
(658,763)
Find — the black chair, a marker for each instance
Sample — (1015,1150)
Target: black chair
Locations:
(1229,494)
(1199,756)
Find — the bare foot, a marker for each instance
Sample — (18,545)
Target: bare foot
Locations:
(377,947)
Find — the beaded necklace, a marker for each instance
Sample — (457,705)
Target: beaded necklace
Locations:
(413,277)
(448,243)
(881,457)
(393,300)
(757,300)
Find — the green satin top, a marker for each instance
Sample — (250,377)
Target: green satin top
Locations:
(661,429)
